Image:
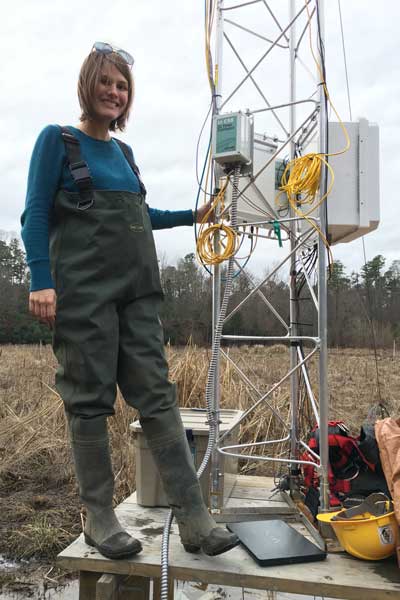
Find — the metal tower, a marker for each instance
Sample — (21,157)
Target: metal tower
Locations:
(269,70)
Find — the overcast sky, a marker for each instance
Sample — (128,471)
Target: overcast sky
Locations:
(46,41)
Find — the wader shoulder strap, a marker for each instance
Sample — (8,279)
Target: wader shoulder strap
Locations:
(78,168)
(127,153)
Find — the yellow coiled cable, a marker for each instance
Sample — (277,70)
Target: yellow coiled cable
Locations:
(209,250)
(301,177)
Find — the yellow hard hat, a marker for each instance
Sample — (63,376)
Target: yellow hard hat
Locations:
(368,531)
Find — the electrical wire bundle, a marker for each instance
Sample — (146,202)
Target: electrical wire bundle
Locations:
(302,176)
(230,247)
(300,180)
(218,242)
(305,267)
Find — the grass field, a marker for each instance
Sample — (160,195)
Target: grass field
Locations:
(39,505)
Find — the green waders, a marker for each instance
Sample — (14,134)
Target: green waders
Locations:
(108,331)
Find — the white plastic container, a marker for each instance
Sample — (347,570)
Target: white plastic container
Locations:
(149,491)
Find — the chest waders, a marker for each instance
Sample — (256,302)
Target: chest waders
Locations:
(108,332)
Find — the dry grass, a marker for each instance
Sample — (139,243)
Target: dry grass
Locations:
(39,505)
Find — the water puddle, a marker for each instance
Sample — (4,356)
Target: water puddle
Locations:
(21,590)
(25,580)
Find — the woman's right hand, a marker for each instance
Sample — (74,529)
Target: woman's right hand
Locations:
(42,305)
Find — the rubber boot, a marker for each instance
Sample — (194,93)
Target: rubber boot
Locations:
(89,441)
(166,438)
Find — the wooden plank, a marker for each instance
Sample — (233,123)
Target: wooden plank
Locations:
(157,588)
(258,504)
(256,481)
(242,481)
(257,493)
(235,515)
(134,587)
(147,517)
(249,502)
(107,587)
(143,513)
(153,519)
(249,509)
(87,584)
(340,576)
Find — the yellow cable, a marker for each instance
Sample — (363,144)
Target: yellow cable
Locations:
(301,177)
(208,250)
(227,244)
(208,28)
(323,83)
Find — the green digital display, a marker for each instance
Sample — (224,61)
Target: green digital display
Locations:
(226,134)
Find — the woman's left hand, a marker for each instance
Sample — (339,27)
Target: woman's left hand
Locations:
(202,212)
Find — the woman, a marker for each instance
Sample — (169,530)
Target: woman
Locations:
(101,291)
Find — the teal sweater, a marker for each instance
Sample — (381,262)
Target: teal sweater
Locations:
(49,172)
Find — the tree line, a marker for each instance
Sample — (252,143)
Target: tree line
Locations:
(363,308)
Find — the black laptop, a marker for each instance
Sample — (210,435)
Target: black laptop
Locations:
(274,542)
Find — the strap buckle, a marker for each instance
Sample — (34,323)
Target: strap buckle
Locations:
(81,176)
(79,170)
(69,137)
(80,173)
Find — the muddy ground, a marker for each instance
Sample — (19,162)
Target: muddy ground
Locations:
(40,512)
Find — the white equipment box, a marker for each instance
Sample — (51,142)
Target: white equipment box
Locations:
(353,204)
(149,490)
(232,139)
(257,203)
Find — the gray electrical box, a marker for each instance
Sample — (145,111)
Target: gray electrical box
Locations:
(260,200)
(149,490)
(353,204)
(232,138)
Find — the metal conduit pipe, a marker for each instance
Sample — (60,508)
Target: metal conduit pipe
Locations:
(212,414)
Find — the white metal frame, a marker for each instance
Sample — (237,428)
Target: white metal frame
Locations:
(286,40)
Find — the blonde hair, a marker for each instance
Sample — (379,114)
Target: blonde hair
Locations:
(89,76)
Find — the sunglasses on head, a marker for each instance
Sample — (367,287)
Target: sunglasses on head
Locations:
(105,48)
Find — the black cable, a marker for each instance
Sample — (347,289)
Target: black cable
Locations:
(308,266)
(199,182)
(213,107)
(197,203)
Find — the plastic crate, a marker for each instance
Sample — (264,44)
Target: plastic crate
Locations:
(149,490)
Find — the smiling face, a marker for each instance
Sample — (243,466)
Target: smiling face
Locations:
(110,96)
(105,90)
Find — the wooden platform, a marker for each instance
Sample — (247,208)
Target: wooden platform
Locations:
(339,576)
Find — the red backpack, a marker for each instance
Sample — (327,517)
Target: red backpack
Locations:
(346,461)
